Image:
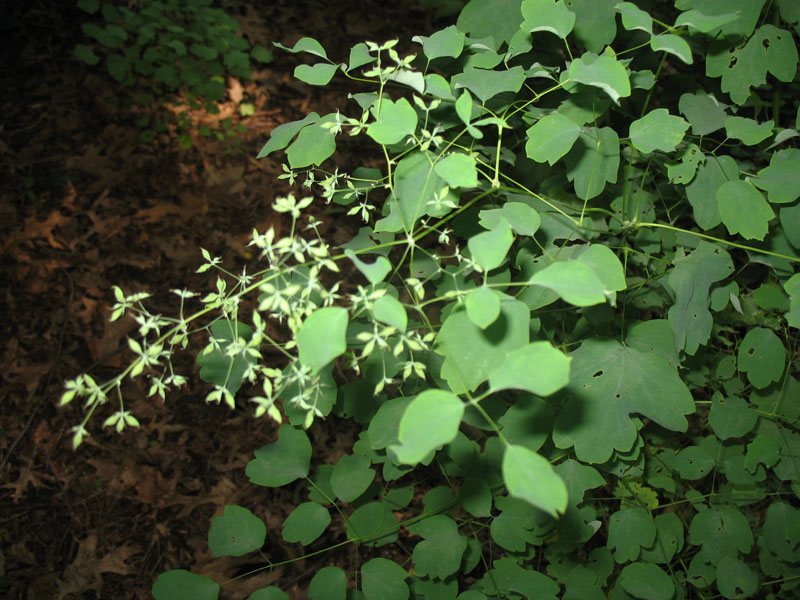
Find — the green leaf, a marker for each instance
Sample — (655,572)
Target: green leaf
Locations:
(283,134)
(749,131)
(439,555)
(574,281)
(89,6)
(578,478)
(416,190)
(735,579)
(261,54)
(702,191)
(657,130)
(476,496)
(489,248)
(593,161)
(781,181)
(306,523)
(283,461)
(86,55)
(547,15)
(318,74)
(373,523)
(486,84)
(183,585)
(604,72)
(669,539)
(721,532)
(647,581)
(762,356)
(691,279)
(393,121)
(236,532)
(537,368)
(703,111)
(351,476)
(430,420)
(499,19)
(769,49)
(551,137)
(388,309)
(692,463)
(743,209)
(630,530)
(448,42)
(696,19)
(458,170)
(733,419)
(634,17)
(382,579)
(472,353)
(672,44)
(329,583)
(507,576)
(483,306)
(217,366)
(374,272)
(608,383)
(530,477)
(595,22)
(118,67)
(523,219)
(321,337)
(305,44)
(512,528)
(270,592)
(313,145)
(792,287)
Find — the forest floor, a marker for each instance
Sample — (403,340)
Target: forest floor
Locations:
(84,205)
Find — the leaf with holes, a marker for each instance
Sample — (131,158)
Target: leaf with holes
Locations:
(608,383)
(762,356)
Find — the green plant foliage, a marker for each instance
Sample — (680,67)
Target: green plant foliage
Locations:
(236,532)
(566,345)
(167,46)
